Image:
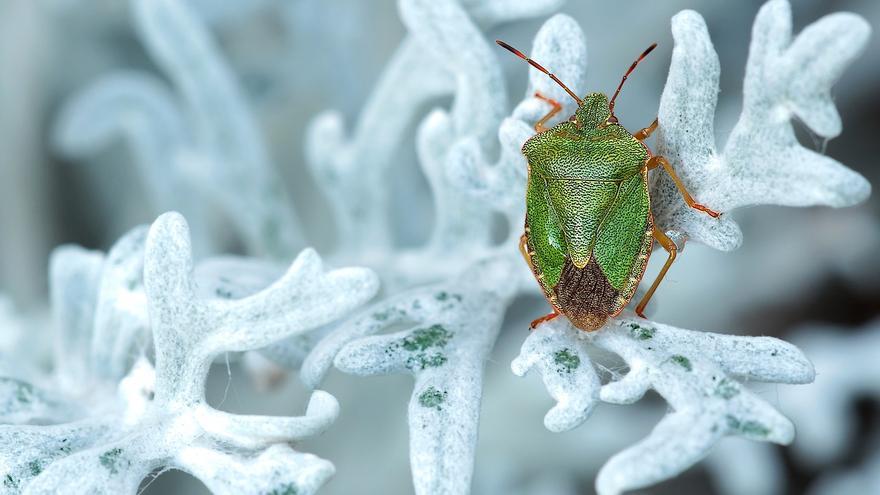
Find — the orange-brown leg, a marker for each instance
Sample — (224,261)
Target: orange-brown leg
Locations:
(646,132)
(670,248)
(544,318)
(524,249)
(540,125)
(659,161)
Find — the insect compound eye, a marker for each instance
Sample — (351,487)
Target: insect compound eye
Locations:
(611,120)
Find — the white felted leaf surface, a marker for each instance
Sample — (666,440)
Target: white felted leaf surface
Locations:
(199,145)
(224,130)
(449,336)
(158,418)
(450,326)
(560,45)
(449,331)
(762,161)
(121,322)
(75,275)
(443,302)
(466,171)
(22,402)
(140,109)
(17,336)
(567,371)
(696,373)
(446,359)
(443,54)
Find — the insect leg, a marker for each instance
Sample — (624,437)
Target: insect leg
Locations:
(646,132)
(524,249)
(670,248)
(539,125)
(657,161)
(544,318)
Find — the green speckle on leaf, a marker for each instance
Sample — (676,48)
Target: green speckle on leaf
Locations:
(285,489)
(751,428)
(24,393)
(445,296)
(727,389)
(223,293)
(10,482)
(418,342)
(423,360)
(386,314)
(642,333)
(682,361)
(112,460)
(432,397)
(566,360)
(423,338)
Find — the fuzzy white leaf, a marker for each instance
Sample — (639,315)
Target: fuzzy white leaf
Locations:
(762,161)
(159,418)
(690,370)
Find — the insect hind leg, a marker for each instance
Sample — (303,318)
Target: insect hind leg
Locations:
(670,248)
(534,324)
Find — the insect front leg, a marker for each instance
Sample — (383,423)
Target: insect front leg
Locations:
(557,107)
(646,132)
(670,248)
(659,161)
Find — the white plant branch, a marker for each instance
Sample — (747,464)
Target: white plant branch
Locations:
(762,161)
(194,147)
(158,417)
(696,373)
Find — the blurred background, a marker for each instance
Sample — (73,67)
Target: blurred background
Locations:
(806,275)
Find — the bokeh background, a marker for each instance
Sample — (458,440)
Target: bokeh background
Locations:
(797,269)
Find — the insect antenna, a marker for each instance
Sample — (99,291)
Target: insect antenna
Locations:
(628,72)
(539,67)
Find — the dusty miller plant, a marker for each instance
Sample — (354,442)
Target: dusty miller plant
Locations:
(138,327)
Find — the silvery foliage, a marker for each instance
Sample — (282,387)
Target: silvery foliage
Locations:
(444,302)
(196,145)
(447,298)
(846,370)
(108,415)
(762,161)
(697,373)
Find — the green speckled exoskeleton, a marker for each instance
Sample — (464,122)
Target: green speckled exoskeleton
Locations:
(589,230)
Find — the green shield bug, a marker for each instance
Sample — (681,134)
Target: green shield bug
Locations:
(589,230)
